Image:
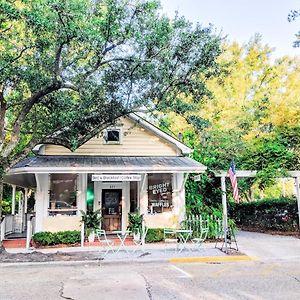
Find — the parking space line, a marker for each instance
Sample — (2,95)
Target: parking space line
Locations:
(185,274)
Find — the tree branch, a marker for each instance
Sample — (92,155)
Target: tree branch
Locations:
(16,58)
(57,60)
(35,98)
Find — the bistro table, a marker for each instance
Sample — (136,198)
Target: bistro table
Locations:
(122,235)
(184,235)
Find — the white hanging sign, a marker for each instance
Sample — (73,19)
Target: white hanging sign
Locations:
(197,178)
(116,177)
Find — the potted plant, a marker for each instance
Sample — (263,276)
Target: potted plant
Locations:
(135,223)
(91,220)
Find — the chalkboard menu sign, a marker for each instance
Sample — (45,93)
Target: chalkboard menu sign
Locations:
(159,193)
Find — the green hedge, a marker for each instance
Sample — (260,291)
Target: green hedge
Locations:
(272,214)
(46,238)
(155,235)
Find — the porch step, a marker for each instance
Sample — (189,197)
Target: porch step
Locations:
(14,243)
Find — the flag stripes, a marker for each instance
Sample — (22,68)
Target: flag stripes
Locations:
(233,179)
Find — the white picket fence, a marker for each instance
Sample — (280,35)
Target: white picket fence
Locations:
(197,222)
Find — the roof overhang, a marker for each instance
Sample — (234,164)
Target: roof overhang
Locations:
(107,164)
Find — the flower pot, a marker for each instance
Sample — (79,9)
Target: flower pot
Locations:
(136,236)
(91,237)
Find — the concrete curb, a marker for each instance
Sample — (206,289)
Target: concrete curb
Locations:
(99,262)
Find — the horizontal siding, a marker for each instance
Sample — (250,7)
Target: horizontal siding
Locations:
(137,141)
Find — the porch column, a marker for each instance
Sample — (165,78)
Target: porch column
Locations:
(143,195)
(297,180)
(224,204)
(25,200)
(178,199)
(41,200)
(13,202)
(81,191)
(21,203)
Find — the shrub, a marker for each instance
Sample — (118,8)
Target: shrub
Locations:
(273,214)
(46,238)
(155,235)
(68,237)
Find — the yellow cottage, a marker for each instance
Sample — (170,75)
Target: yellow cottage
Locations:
(133,165)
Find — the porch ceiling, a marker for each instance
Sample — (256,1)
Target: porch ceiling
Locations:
(22,180)
(107,164)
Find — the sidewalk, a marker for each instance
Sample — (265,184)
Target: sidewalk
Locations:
(157,252)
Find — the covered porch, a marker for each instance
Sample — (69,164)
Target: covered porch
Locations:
(66,185)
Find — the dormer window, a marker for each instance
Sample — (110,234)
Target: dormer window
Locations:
(112,136)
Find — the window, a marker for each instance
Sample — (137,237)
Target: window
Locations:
(159,193)
(63,194)
(112,136)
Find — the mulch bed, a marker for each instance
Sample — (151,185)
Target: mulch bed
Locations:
(35,256)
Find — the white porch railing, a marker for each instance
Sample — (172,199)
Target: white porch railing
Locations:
(8,224)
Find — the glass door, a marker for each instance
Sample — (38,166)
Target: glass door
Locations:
(111,209)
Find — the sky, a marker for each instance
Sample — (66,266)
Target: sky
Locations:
(239,20)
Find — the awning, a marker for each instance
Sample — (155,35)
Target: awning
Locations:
(107,164)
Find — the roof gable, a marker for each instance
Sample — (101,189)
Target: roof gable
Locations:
(139,138)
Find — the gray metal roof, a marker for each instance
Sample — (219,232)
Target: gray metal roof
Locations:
(111,164)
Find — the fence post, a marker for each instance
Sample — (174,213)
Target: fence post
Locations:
(82,235)
(28,234)
(2,228)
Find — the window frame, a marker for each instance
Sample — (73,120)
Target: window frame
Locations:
(54,211)
(105,134)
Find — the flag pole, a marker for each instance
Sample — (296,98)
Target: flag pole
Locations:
(224,204)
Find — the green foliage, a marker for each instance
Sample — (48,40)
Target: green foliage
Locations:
(46,238)
(91,220)
(154,235)
(274,214)
(68,237)
(135,221)
(6,207)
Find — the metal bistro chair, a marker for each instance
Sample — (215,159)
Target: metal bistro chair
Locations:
(170,237)
(141,241)
(199,240)
(108,244)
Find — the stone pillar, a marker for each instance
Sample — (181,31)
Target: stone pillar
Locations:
(13,202)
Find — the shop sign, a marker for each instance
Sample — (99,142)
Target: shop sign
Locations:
(116,177)
(197,178)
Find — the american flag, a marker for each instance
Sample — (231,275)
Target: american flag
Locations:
(232,175)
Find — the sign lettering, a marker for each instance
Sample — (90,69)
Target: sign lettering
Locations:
(116,177)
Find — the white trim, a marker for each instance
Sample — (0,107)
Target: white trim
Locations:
(184,149)
(239,173)
(111,170)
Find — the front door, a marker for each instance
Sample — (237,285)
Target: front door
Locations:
(111,209)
